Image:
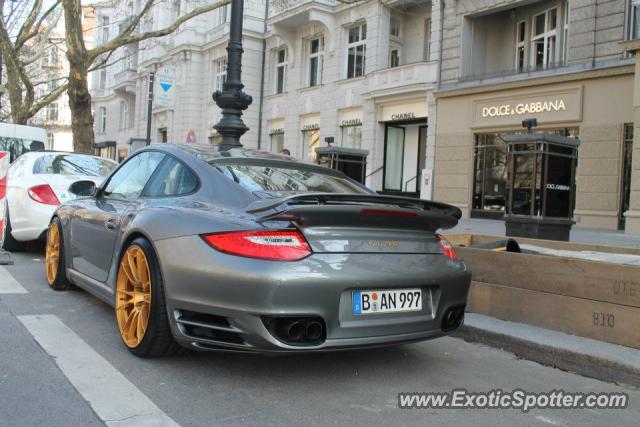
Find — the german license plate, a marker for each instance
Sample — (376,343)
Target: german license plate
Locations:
(387,301)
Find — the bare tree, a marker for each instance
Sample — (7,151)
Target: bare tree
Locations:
(82,60)
(25,36)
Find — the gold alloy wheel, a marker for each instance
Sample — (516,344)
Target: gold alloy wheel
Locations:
(52,254)
(133,296)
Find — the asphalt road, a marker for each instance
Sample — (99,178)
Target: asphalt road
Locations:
(62,364)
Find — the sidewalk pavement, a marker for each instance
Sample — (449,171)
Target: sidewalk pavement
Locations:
(583,356)
(578,235)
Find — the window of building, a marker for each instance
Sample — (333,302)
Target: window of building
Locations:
(543,39)
(634,27)
(565,33)
(220,74)
(125,121)
(394,26)
(281,70)
(52,112)
(102,119)
(221,15)
(316,61)
(310,141)
(102,78)
(394,57)
(352,135)
(356,51)
(521,36)
(104,29)
(427,40)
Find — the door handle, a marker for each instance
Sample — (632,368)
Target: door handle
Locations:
(111,224)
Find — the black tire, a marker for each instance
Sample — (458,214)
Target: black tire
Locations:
(8,242)
(158,340)
(61,282)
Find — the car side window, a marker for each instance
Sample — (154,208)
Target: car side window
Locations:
(129,181)
(172,179)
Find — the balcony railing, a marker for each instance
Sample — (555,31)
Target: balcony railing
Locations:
(512,71)
(279,6)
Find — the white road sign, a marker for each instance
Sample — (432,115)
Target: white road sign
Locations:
(164,88)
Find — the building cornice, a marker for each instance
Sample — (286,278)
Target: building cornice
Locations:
(620,70)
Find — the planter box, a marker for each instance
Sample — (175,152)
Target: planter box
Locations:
(593,299)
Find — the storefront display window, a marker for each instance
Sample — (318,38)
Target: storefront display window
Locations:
(310,141)
(490,175)
(351,136)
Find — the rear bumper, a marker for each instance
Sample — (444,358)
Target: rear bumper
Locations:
(235,294)
(31,220)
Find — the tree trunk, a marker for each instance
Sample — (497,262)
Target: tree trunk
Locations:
(78,90)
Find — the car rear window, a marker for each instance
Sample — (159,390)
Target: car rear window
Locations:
(73,164)
(286,179)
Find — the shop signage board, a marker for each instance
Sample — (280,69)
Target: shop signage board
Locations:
(547,107)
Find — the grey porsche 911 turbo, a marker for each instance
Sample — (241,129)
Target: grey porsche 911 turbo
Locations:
(249,251)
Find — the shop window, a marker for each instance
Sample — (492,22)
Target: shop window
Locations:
(490,173)
(393,159)
(316,60)
(625,187)
(281,70)
(351,136)
(490,176)
(356,51)
(310,141)
(277,142)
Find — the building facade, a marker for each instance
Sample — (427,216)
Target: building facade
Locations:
(362,74)
(50,71)
(428,89)
(195,59)
(560,62)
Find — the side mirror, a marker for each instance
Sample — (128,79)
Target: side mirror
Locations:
(83,188)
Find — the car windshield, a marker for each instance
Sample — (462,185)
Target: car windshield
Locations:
(73,164)
(277,178)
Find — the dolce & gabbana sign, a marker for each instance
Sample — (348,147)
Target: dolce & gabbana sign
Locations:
(550,107)
(526,108)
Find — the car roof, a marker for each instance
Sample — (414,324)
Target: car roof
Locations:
(40,153)
(211,153)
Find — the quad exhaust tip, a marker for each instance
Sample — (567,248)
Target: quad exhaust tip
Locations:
(299,331)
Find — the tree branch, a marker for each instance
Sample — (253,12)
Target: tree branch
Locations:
(51,96)
(123,39)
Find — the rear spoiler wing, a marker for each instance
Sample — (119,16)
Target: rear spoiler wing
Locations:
(356,199)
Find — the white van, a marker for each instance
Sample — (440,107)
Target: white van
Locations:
(19,139)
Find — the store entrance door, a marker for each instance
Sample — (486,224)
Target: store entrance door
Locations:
(405,148)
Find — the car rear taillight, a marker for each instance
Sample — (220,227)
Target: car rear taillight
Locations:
(446,247)
(277,245)
(43,194)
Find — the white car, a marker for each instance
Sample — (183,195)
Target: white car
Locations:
(37,183)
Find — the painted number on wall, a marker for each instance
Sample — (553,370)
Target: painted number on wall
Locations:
(625,288)
(604,320)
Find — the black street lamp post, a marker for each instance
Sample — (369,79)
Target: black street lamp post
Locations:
(232,100)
